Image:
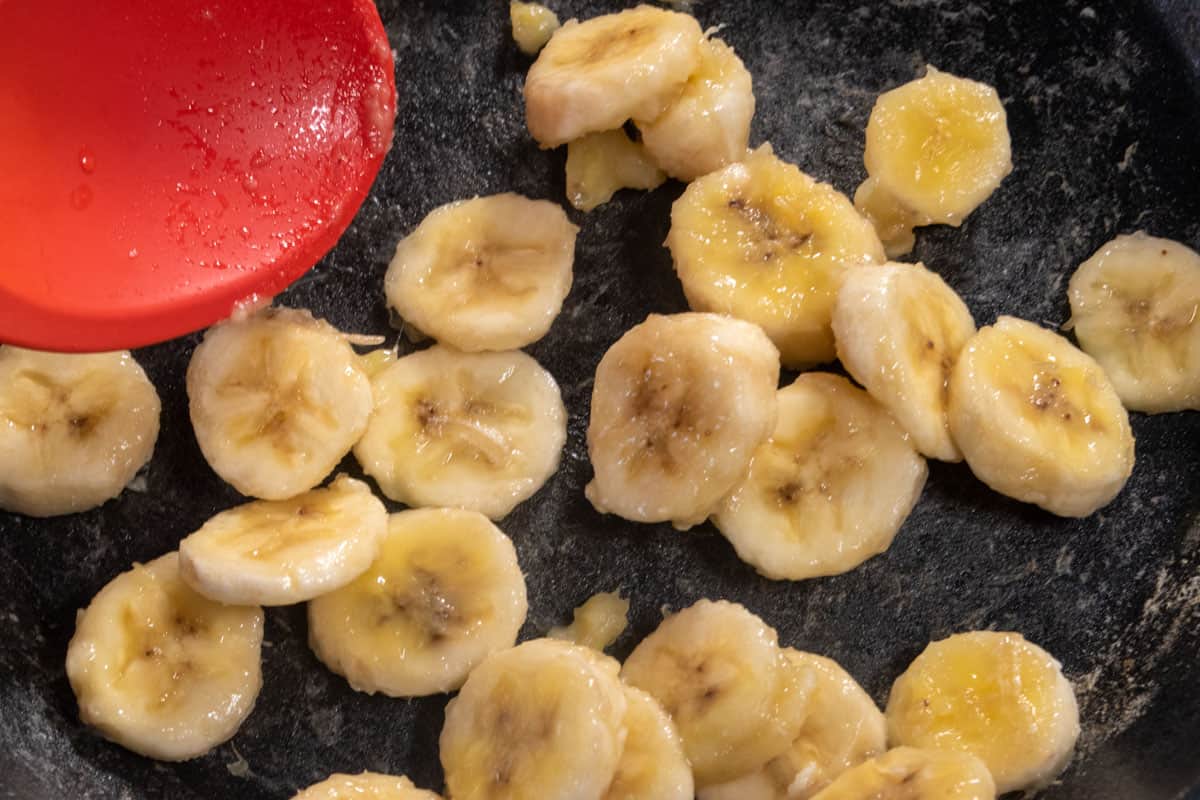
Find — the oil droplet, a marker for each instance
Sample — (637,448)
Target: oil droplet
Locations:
(87,161)
(133,252)
(81,197)
(259,159)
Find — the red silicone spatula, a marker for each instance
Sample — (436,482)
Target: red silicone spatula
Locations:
(162,160)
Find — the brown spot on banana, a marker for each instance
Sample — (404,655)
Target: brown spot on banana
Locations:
(425,603)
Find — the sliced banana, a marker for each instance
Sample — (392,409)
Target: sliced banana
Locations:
(829,489)
(907,773)
(764,242)
(893,221)
(594,75)
(279,552)
(1038,420)
(995,696)
(843,727)
(708,126)
(717,669)
(276,399)
(1135,306)
(445,592)
(601,164)
(899,330)
(937,147)
(377,361)
(489,273)
(532,24)
(679,404)
(74,429)
(597,623)
(365,786)
(161,670)
(480,431)
(543,719)
(653,764)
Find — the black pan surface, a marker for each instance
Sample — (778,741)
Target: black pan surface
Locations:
(1103,101)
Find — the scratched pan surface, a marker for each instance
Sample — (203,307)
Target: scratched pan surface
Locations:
(1103,103)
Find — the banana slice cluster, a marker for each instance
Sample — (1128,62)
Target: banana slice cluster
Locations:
(162,670)
(365,786)
(277,399)
(842,728)
(480,431)
(764,242)
(690,97)
(445,592)
(937,147)
(736,698)
(994,696)
(679,405)
(829,489)
(552,719)
(166,661)
(488,273)
(74,429)
(1135,308)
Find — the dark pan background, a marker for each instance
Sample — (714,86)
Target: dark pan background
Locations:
(1103,103)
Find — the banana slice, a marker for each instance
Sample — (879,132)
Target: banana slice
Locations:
(445,592)
(276,399)
(937,147)
(365,786)
(718,671)
(652,764)
(377,361)
(829,489)
(74,429)
(601,164)
(532,24)
(161,670)
(906,773)
(899,330)
(1135,306)
(594,75)
(893,221)
(843,728)
(480,431)
(543,719)
(489,273)
(1038,420)
(597,623)
(708,127)
(764,242)
(279,552)
(995,696)
(679,404)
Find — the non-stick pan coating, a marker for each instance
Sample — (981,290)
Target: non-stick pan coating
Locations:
(1103,102)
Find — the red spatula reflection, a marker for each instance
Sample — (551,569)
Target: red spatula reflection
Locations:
(161,161)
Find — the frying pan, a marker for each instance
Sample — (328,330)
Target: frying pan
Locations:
(1103,103)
